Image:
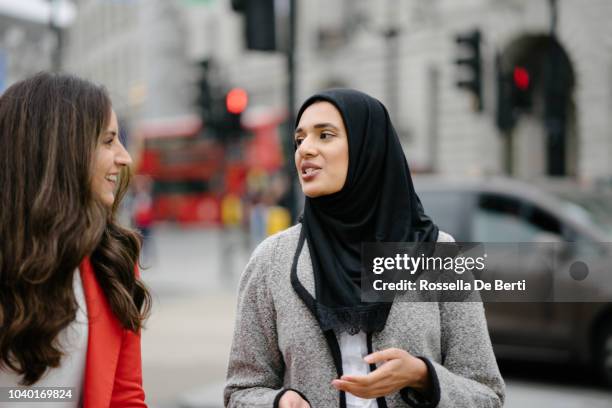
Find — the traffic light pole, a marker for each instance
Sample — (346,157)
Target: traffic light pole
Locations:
(56,62)
(556,99)
(291,61)
(392,39)
(289,168)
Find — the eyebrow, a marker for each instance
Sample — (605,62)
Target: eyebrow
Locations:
(319,126)
(112,132)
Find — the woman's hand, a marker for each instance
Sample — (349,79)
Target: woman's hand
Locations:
(399,369)
(292,399)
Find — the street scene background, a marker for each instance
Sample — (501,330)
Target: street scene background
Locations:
(502,108)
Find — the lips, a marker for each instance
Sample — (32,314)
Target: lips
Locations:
(111,178)
(309,166)
(309,170)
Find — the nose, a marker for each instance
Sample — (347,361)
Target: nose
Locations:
(307,148)
(122,157)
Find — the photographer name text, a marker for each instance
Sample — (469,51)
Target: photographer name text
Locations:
(460,285)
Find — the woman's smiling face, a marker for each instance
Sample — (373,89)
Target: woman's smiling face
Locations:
(322,151)
(109,158)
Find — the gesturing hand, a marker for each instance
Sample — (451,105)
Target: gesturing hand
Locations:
(399,369)
(292,399)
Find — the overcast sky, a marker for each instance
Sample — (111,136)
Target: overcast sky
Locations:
(38,10)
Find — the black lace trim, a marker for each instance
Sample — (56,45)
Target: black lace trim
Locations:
(369,318)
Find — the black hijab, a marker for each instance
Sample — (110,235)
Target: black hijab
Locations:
(376,204)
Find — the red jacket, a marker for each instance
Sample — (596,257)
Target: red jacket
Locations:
(113,372)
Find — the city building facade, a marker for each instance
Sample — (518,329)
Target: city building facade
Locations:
(136,48)
(26,47)
(401,51)
(404,52)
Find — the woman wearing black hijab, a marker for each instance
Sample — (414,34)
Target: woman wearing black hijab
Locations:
(302,331)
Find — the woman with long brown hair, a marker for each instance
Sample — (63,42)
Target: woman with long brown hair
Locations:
(71,303)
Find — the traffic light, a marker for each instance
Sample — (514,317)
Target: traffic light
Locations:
(204,97)
(515,89)
(225,119)
(260,23)
(471,59)
(207,101)
(220,110)
(236,101)
(522,86)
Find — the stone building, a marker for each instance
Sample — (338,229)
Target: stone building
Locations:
(403,52)
(136,49)
(27,41)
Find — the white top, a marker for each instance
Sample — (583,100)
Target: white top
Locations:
(353,349)
(71,372)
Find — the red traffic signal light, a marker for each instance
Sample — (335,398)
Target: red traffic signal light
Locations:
(521,78)
(236,101)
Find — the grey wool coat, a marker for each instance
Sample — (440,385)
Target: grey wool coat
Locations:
(278,343)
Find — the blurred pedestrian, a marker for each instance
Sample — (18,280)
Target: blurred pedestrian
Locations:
(71,305)
(143,216)
(257,212)
(303,337)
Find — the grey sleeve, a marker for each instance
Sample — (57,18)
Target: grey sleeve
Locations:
(468,375)
(255,371)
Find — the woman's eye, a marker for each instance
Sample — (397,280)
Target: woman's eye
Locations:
(325,135)
(298,141)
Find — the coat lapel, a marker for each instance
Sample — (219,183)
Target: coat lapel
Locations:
(103,344)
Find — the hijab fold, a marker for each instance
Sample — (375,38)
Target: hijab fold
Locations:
(376,204)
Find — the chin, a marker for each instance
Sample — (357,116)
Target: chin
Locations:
(312,195)
(310,192)
(313,192)
(108,200)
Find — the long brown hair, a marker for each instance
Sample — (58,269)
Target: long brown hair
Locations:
(50,220)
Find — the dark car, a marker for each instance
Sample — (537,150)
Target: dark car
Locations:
(578,219)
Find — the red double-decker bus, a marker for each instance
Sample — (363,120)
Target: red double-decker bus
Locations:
(191,172)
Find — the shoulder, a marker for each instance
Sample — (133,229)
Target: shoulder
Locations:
(280,243)
(275,250)
(445,237)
